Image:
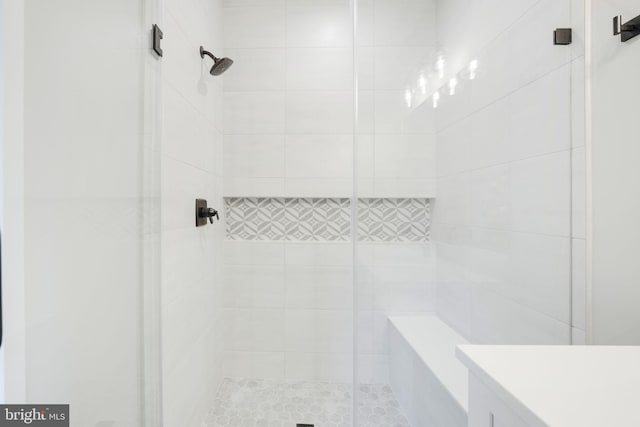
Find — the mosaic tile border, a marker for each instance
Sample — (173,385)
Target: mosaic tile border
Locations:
(327,219)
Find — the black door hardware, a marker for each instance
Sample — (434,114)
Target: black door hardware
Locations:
(157,36)
(204,213)
(562,36)
(628,30)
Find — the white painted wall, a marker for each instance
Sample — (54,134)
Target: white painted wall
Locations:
(614,153)
(504,221)
(83,136)
(12,157)
(192,299)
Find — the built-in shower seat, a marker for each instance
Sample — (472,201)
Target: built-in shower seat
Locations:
(430,383)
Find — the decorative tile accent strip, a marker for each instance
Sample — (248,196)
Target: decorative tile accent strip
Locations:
(290,219)
(327,219)
(394,220)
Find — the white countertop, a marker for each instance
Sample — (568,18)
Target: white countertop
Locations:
(562,386)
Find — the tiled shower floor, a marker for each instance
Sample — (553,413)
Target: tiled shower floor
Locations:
(266,403)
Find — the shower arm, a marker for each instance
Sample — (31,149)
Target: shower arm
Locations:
(209,54)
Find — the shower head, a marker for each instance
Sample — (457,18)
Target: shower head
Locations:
(220,65)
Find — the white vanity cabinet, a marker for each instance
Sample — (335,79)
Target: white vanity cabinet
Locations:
(488,410)
(552,386)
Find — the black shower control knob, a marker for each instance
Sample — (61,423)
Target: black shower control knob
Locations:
(204,213)
(211,213)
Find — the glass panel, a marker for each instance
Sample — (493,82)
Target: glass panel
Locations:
(90,212)
(395,164)
(614,177)
(288,160)
(464,166)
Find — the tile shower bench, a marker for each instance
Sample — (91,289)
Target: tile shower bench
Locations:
(428,380)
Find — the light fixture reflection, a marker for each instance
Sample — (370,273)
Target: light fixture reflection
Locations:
(440,66)
(453,83)
(436,99)
(422,82)
(408,97)
(473,68)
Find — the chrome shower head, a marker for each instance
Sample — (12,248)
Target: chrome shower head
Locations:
(220,65)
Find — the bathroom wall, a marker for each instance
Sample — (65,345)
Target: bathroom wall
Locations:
(12,357)
(509,214)
(614,184)
(192,321)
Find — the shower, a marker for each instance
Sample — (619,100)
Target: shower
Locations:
(220,65)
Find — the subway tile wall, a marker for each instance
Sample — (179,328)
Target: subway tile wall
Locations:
(508,222)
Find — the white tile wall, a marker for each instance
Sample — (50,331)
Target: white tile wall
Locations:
(391,279)
(289,310)
(324,24)
(319,112)
(254,113)
(325,69)
(504,217)
(503,209)
(254,26)
(293,77)
(411,24)
(311,285)
(256,69)
(192,295)
(319,156)
(254,156)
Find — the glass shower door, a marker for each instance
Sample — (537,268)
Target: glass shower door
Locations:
(90,199)
(470,192)
(395,185)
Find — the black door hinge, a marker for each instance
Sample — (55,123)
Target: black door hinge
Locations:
(157,36)
(562,37)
